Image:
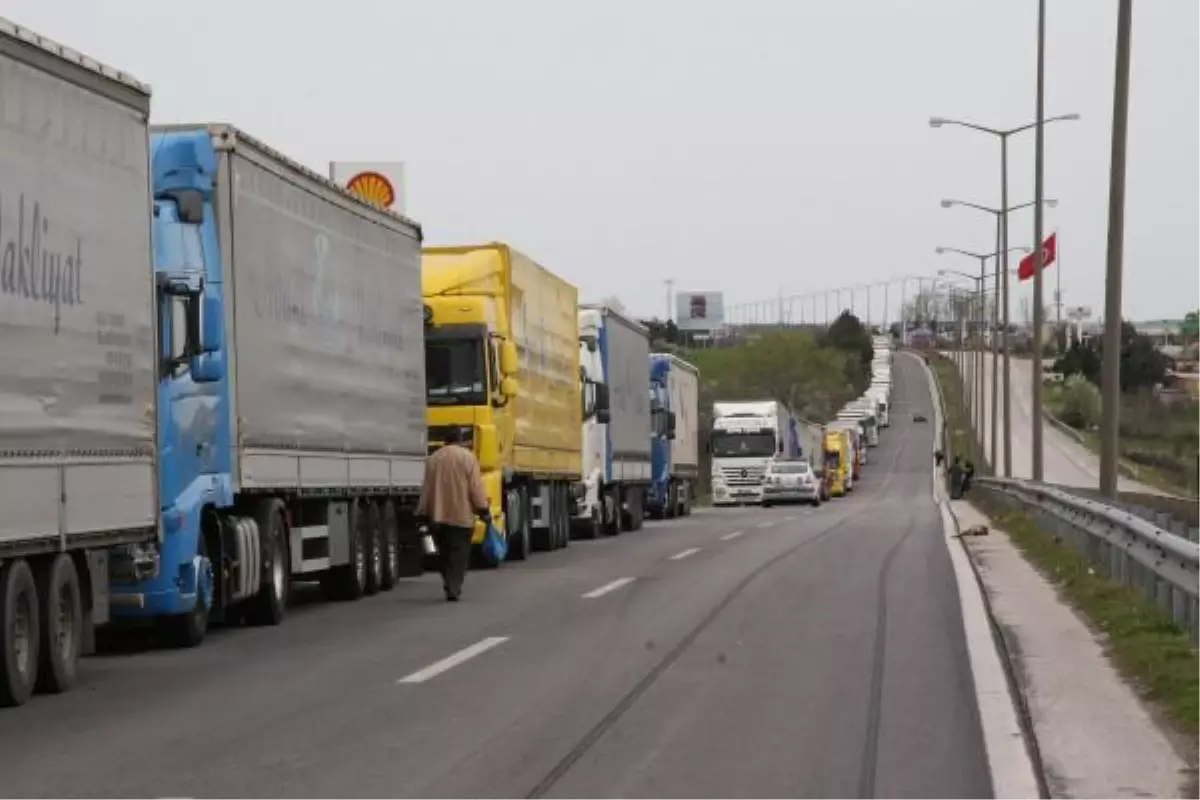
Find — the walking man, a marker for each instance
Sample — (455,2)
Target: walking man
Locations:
(452,496)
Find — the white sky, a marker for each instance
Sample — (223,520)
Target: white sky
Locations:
(746,147)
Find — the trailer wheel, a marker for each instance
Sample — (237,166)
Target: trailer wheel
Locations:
(61,629)
(270,605)
(614,523)
(349,581)
(562,491)
(671,509)
(685,505)
(375,547)
(391,547)
(514,523)
(18,633)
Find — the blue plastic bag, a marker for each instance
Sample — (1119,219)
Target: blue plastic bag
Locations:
(495,546)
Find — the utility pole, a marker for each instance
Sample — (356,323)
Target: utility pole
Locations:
(1039,311)
(670,308)
(1110,414)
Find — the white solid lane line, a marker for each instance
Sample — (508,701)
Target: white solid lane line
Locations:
(450,662)
(606,588)
(682,554)
(733,535)
(766,524)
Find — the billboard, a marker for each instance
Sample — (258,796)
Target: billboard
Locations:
(699,311)
(380,183)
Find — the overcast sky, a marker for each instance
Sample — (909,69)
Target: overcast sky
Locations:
(747,147)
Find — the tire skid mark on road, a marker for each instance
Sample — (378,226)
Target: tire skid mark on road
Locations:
(589,739)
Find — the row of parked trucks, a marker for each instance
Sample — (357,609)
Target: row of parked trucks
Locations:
(222,373)
(748,438)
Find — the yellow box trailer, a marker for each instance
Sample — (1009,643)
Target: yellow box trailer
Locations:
(502,365)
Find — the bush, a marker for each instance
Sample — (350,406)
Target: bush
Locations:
(1080,403)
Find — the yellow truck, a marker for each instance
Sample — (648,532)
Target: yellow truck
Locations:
(502,365)
(838,468)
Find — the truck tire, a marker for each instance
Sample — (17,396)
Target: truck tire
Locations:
(269,606)
(514,522)
(542,539)
(614,522)
(60,613)
(18,633)
(374,523)
(672,507)
(685,505)
(348,582)
(564,515)
(188,630)
(391,546)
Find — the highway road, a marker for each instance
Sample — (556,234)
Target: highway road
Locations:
(741,653)
(1065,461)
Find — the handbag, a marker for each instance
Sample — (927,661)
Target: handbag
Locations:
(495,546)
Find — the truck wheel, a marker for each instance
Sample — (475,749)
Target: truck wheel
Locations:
(270,604)
(637,509)
(564,515)
(514,521)
(685,505)
(391,547)
(542,539)
(61,630)
(671,509)
(349,581)
(18,633)
(615,521)
(374,522)
(189,630)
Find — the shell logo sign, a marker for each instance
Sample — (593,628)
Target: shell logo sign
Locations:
(372,187)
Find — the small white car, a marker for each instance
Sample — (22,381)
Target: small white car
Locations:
(791,482)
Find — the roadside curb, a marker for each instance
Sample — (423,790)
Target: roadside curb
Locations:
(1014,759)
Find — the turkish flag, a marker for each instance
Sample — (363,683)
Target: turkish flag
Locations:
(1049,248)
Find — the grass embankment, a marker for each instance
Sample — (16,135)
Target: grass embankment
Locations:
(959,436)
(1145,646)
(1159,441)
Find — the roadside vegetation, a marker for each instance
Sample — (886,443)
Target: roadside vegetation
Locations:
(814,371)
(1145,646)
(1160,430)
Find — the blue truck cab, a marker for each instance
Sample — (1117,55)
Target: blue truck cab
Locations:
(193,390)
(674,451)
(662,432)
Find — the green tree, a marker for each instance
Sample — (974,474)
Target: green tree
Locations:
(1080,403)
(848,335)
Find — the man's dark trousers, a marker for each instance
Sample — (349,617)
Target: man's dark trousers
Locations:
(454,549)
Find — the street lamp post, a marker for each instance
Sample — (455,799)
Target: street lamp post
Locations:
(977,374)
(1003,134)
(999,213)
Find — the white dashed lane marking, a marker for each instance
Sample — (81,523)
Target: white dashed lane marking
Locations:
(733,535)
(682,554)
(450,662)
(606,588)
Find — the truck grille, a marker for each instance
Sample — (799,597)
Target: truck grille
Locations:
(743,476)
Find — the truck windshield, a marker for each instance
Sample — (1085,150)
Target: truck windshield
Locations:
(832,459)
(727,444)
(454,372)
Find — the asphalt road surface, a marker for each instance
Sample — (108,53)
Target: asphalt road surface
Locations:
(741,653)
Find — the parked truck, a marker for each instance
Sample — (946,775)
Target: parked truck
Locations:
(675,451)
(80,361)
(613,352)
(746,436)
(291,392)
(502,366)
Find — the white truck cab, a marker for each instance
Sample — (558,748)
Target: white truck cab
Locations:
(745,437)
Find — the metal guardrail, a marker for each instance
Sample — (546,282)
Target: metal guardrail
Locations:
(1178,515)
(1130,550)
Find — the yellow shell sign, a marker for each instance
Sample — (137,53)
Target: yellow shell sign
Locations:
(373,188)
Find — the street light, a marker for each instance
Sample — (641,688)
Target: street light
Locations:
(977,390)
(998,212)
(1003,134)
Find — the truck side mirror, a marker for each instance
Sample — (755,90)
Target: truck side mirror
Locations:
(207,368)
(603,416)
(509,387)
(508,359)
(603,401)
(212,323)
